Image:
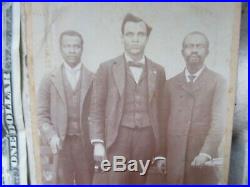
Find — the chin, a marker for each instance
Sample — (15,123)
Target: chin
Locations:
(194,60)
(194,63)
(135,52)
(72,63)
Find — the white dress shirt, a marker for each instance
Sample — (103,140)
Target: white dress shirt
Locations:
(136,71)
(72,74)
(197,74)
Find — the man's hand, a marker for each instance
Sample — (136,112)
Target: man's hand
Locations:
(99,152)
(161,165)
(199,161)
(55,144)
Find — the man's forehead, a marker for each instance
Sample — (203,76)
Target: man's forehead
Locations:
(71,38)
(195,38)
(135,25)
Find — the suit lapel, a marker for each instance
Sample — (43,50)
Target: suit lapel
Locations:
(119,74)
(201,80)
(86,80)
(183,83)
(57,79)
(196,85)
(152,75)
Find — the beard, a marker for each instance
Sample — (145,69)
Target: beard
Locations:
(194,58)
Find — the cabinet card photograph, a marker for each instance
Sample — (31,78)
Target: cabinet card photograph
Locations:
(130,93)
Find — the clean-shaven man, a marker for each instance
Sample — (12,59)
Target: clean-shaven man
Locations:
(63,109)
(126,111)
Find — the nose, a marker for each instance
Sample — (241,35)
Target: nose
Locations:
(135,38)
(72,50)
(194,49)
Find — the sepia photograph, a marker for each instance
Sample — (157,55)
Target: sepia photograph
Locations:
(129,93)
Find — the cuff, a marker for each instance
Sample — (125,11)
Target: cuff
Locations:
(206,155)
(159,158)
(96,141)
(48,131)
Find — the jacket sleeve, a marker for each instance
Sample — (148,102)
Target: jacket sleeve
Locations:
(162,112)
(218,119)
(45,125)
(98,103)
(167,110)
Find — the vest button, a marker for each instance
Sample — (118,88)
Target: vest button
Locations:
(74,124)
(137,116)
(137,97)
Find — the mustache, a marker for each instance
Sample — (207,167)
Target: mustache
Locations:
(194,54)
(72,56)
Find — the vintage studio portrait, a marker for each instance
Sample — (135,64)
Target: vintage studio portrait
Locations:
(133,93)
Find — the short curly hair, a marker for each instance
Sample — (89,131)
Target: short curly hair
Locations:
(132,18)
(71,33)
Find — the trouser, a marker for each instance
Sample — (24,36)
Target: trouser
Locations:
(203,175)
(73,163)
(133,144)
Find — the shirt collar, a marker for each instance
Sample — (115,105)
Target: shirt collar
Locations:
(129,59)
(70,69)
(197,74)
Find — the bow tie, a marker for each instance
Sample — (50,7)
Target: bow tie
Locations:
(135,64)
(191,78)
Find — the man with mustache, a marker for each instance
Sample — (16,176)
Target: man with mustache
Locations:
(127,105)
(197,101)
(63,108)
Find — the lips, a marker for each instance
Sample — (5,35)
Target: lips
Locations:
(135,46)
(71,57)
(194,56)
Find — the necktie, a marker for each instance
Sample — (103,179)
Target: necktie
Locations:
(191,78)
(135,64)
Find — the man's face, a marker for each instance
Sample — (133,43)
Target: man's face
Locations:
(71,49)
(135,37)
(195,49)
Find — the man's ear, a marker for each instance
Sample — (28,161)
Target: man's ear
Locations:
(60,48)
(207,51)
(122,38)
(82,47)
(182,52)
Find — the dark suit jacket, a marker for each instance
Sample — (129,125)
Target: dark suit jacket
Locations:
(108,102)
(196,122)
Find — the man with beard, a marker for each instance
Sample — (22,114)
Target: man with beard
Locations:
(127,105)
(197,116)
(63,108)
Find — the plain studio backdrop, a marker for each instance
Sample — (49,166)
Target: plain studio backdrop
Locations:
(100,26)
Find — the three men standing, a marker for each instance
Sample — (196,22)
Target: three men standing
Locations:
(125,114)
(63,109)
(127,108)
